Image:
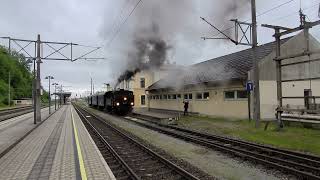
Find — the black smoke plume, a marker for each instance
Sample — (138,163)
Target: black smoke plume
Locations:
(150,52)
(174,27)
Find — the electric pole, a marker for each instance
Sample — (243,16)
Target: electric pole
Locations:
(256,89)
(60,95)
(38,85)
(51,56)
(55,95)
(242,38)
(91,86)
(49,77)
(9,91)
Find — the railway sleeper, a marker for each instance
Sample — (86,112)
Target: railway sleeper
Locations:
(239,152)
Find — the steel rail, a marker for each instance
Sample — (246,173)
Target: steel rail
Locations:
(243,153)
(13,109)
(177,169)
(15,112)
(269,148)
(128,170)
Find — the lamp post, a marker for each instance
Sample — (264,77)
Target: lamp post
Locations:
(60,96)
(55,95)
(49,77)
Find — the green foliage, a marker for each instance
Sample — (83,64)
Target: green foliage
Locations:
(21,77)
(45,97)
(293,137)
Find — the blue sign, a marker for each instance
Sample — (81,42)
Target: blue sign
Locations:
(249,86)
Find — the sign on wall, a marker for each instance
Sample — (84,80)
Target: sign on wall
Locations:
(249,86)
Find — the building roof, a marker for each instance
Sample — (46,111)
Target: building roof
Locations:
(65,94)
(233,66)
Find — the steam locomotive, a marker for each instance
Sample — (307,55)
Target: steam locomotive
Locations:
(119,102)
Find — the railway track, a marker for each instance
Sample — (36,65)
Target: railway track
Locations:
(127,158)
(14,112)
(303,166)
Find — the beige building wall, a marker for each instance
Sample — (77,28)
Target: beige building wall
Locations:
(22,101)
(139,91)
(151,76)
(268,86)
(216,105)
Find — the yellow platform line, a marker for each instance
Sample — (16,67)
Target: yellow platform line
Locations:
(82,168)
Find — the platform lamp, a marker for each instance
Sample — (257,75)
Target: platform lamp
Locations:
(49,77)
(55,95)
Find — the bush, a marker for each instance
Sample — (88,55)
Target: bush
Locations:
(21,77)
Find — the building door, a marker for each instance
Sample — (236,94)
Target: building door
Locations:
(307,98)
(143,100)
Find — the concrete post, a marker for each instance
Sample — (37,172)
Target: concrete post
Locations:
(256,90)
(38,85)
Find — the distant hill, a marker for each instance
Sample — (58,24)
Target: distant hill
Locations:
(21,76)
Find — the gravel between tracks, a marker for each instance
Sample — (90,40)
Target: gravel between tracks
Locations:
(189,155)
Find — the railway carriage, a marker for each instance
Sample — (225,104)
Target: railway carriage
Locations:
(119,102)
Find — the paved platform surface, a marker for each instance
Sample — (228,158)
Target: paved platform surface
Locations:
(60,148)
(155,113)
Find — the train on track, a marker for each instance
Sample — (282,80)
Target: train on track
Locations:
(119,102)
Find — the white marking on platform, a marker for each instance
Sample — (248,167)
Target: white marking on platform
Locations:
(131,118)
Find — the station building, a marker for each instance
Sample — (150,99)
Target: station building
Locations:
(217,87)
(22,101)
(143,79)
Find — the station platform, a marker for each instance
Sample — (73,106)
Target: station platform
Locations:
(161,116)
(59,148)
(13,129)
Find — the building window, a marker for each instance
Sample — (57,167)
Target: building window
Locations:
(242,94)
(160,96)
(165,96)
(142,82)
(229,95)
(143,100)
(199,95)
(185,96)
(233,95)
(179,96)
(174,96)
(206,95)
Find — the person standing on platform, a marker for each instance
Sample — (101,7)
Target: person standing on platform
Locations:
(186,106)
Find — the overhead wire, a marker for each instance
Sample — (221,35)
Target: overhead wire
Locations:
(118,17)
(120,27)
(258,15)
(293,13)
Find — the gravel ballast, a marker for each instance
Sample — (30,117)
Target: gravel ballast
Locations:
(213,163)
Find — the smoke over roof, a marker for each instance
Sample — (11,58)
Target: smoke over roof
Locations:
(150,52)
(157,27)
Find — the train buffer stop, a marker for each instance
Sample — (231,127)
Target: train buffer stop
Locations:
(59,147)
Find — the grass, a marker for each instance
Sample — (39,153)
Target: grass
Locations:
(293,137)
(2,106)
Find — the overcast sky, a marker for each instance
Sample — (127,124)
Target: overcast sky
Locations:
(96,22)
